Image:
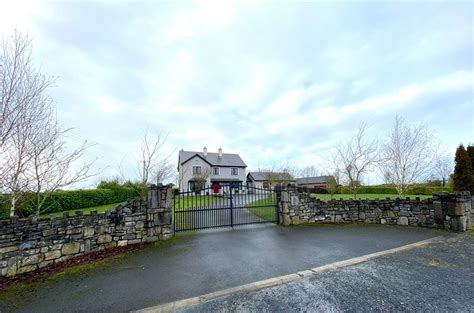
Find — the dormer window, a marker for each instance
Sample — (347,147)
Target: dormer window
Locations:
(215,171)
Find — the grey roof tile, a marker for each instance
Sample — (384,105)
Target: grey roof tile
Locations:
(262,176)
(227,159)
(312,180)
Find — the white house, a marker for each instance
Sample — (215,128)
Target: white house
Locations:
(197,169)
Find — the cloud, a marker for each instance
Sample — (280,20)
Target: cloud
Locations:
(271,81)
(206,16)
(452,82)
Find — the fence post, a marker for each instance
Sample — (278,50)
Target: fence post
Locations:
(231,206)
(277,204)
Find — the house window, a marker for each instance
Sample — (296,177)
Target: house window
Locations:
(197,170)
(234,171)
(215,171)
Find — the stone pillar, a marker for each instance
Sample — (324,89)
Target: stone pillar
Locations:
(166,203)
(453,210)
(440,207)
(153,197)
(159,212)
(472,210)
(284,207)
(460,211)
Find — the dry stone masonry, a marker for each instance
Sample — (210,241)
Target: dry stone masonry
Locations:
(33,243)
(445,210)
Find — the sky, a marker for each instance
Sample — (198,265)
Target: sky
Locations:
(273,81)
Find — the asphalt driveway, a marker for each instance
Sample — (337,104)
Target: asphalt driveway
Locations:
(204,262)
(435,278)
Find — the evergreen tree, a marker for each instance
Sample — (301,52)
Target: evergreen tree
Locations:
(470,151)
(463,177)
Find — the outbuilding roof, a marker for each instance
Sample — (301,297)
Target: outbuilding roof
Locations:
(264,176)
(312,180)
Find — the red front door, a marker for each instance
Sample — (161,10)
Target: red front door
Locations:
(216,188)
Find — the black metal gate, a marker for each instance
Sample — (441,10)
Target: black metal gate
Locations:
(223,206)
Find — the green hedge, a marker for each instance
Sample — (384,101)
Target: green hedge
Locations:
(70,200)
(414,190)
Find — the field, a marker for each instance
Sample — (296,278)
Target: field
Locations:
(366,196)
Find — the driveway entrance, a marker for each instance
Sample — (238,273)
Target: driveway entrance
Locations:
(223,205)
(192,265)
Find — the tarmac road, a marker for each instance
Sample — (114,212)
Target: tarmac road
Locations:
(204,262)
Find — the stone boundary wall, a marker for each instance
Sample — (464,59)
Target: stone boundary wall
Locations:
(450,211)
(34,243)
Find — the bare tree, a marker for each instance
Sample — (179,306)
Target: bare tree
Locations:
(408,155)
(309,171)
(274,177)
(443,168)
(154,165)
(333,182)
(33,156)
(21,85)
(201,177)
(356,157)
(164,170)
(23,101)
(52,162)
(331,185)
(15,158)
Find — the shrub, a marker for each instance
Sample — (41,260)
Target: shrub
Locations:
(69,200)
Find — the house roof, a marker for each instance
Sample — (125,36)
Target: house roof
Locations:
(312,180)
(227,159)
(263,176)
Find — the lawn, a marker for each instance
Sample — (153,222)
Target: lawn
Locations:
(99,209)
(190,202)
(264,208)
(186,202)
(366,196)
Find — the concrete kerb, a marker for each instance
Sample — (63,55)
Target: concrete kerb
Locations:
(272,282)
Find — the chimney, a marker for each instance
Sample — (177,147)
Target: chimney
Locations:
(204,151)
(220,152)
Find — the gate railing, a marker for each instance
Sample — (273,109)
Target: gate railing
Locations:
(226,206)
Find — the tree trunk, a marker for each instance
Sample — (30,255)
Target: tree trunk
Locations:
(12,206)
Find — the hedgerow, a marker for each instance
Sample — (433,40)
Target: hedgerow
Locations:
(69,200)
